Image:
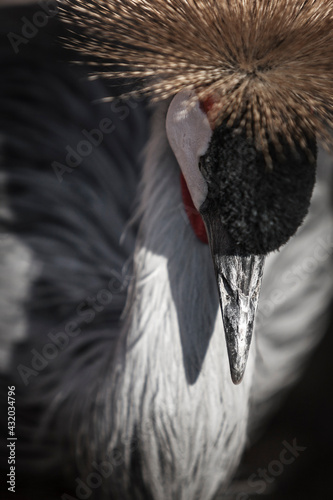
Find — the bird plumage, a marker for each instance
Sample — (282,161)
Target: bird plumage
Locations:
(146,391)
(60,243)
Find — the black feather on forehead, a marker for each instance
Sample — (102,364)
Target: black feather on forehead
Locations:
(268,64)
(259,208)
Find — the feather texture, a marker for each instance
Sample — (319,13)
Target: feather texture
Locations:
(266,66)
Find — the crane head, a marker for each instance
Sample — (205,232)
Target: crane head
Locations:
(251,89)
(249,208)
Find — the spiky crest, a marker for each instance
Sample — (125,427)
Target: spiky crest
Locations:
(267,64)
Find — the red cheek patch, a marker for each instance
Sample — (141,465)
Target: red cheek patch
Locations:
(210,108)
(207,105)
(192,213)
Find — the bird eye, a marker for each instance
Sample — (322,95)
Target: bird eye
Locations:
(202,166)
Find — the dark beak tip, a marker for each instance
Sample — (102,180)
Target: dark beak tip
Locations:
(237,376)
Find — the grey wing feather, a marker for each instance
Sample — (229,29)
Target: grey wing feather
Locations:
(63,268)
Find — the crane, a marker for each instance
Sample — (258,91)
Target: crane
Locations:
(139,401)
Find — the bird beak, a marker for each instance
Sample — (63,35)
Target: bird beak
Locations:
(239,281)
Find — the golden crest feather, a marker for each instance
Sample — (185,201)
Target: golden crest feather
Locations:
(267,64)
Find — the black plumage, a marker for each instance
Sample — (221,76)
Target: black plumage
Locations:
(259,207)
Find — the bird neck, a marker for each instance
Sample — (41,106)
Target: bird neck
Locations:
(176,377)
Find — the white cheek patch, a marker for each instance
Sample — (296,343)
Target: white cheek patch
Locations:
(189,135)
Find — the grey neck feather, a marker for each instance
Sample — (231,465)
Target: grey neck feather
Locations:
(176,393)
